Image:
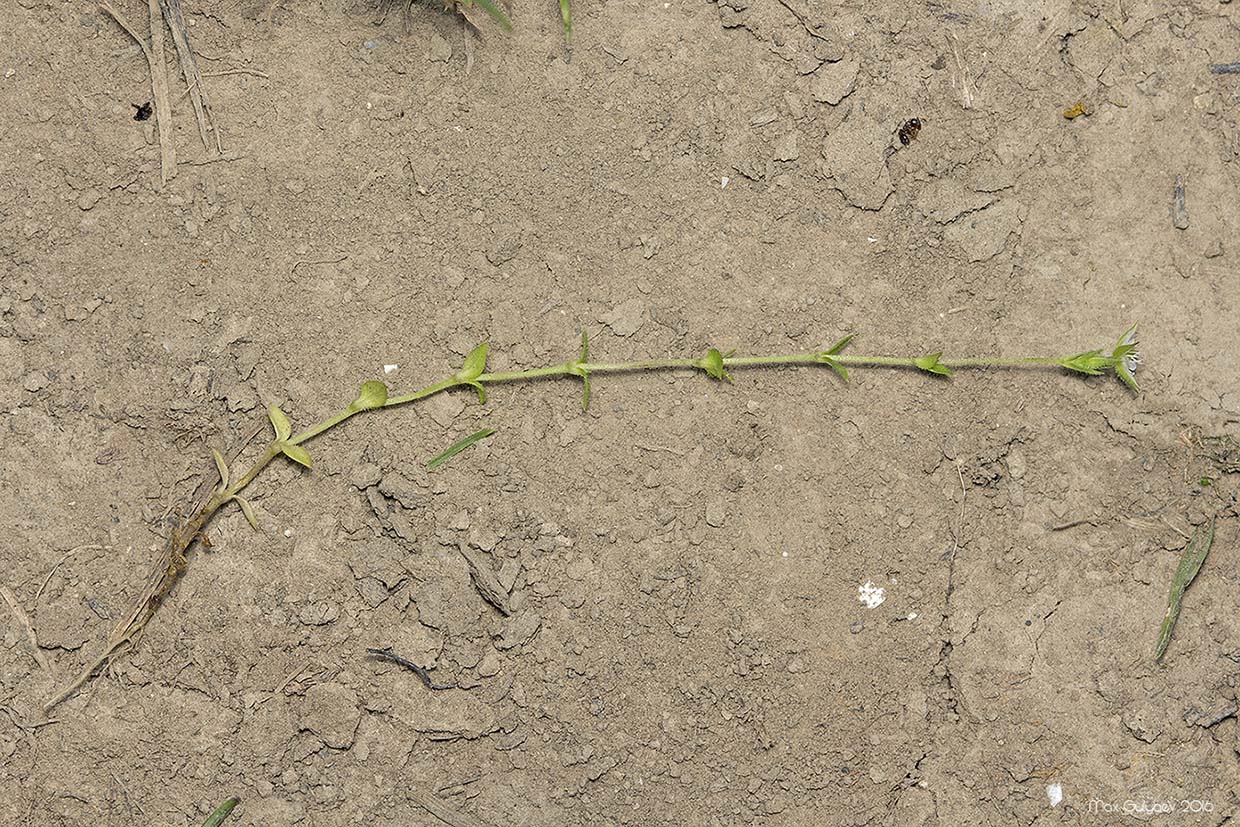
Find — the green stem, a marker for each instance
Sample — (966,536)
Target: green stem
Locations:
(572,368)
(429,390)
(519,375)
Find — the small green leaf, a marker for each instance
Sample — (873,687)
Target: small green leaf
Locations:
(221,467)
(930,364)
(482,392)
(279,422)
(834,365)
(372,395)
(457,447)
(221,812)
(475,364)
(248,511)
(1190,563)
(840,345)
(712,363)
(296,453)
(585,346)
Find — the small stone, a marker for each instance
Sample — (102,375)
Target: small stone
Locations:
(330,711)
(36,381)
(441,50)
(318,614)
(505,250)
(716,515)
(1016,464)
(518,629)
(857,627)
(627,318)
(835,81)
(488,667)
(365,475)
(89,199)
(786,149)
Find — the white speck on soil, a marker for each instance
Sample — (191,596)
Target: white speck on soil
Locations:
(390,368)
(1054,791)
(872,596)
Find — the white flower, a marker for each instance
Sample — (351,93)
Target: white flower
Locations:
(870,595)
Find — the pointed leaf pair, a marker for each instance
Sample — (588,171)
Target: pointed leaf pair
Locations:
(1089,362)
(284,432)
(578,368)
(930,364)
(826,357)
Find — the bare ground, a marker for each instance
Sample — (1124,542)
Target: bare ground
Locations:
(687,645)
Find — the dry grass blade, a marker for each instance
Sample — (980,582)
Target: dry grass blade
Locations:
(24,620)
(153,51)
(189,68)
(444,813)
(485,580)
(1190,563)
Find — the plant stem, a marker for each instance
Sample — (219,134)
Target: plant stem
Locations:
(173,563)
(429,390)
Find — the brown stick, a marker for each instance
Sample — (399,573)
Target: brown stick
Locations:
(162,578)
(154,54)
(24,620)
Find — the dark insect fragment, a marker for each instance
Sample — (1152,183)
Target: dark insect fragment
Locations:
(909,130)
(143,111)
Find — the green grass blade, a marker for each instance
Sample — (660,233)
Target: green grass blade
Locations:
(496,13)
(566,15)
(458,447)
(1190,563)
(221,812)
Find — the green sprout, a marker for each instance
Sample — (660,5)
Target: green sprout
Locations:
(375,396)
(221,812)
(566,17)
(457,447)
